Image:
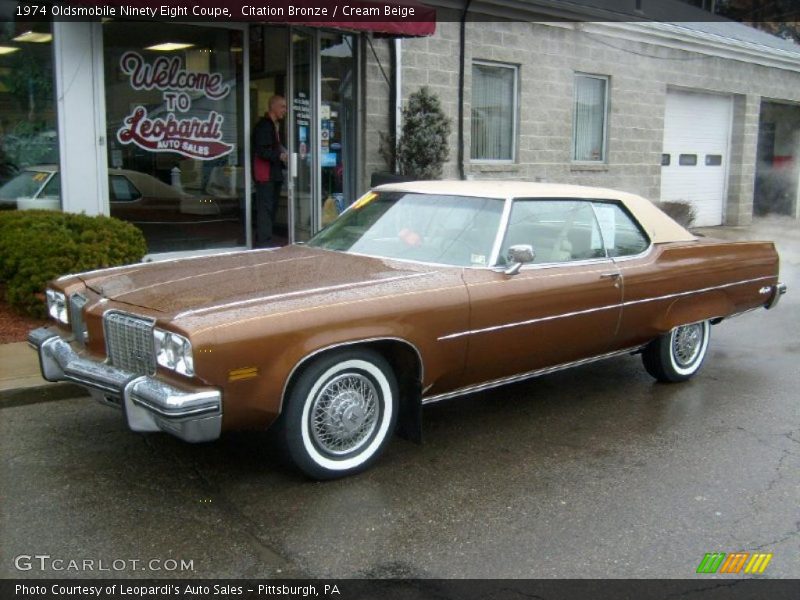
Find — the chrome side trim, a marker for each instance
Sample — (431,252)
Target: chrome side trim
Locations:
(698,291)
(592,310)
(528,322)
(479,387)
(329,288)
(307,357)
(569,263)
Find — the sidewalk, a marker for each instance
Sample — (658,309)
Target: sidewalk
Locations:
(20,379)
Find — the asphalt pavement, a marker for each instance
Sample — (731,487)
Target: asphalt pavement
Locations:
(594,472)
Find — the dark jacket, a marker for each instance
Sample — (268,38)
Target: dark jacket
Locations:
(266,145)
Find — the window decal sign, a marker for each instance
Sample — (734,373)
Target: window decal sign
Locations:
(193,137)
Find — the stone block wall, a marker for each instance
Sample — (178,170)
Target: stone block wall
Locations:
(548,55)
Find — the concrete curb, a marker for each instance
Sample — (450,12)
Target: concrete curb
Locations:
(42,393)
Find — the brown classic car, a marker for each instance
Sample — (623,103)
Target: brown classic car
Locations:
(419,292)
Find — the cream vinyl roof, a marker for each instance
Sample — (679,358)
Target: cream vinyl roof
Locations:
(660,227)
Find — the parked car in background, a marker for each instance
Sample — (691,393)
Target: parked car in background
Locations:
(419,292)
(134,196)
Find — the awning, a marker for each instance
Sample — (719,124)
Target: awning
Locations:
(402,18)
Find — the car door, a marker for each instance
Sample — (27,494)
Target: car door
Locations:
(563,307)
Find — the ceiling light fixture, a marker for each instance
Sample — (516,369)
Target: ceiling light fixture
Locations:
(169,46)
(34,36)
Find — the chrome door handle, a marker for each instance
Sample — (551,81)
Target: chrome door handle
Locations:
(614,275)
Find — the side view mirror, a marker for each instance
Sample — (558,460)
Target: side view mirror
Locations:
(517,256)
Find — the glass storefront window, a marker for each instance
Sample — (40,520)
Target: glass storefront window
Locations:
(175,130)
(28,126)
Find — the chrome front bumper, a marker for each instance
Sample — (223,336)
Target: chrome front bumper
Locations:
(148,404)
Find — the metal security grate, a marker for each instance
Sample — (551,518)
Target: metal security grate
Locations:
(129,342)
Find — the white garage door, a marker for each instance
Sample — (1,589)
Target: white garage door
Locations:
(694,168)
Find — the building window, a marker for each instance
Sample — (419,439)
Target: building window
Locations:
(591,109)
(494,112)
(28,126)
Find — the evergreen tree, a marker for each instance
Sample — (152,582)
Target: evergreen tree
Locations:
(423,148)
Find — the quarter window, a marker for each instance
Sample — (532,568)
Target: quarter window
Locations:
(558,230)
(494,112)
(621,235)
(590,115)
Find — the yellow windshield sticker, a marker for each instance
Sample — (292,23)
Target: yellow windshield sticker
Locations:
(364,200)
(40,176)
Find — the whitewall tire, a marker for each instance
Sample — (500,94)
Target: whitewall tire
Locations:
(679,354)
(340,413)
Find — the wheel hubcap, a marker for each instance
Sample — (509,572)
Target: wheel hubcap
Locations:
(686,343)
(345,413)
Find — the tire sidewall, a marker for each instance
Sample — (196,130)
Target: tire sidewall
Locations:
(298,436)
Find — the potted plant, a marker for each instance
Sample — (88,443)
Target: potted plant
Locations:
(423,146)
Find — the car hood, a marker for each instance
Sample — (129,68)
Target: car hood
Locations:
(204,283)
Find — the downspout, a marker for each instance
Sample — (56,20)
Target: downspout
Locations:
(461,55)
(397,94)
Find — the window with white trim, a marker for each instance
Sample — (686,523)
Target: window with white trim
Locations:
(494,112)
(590,117)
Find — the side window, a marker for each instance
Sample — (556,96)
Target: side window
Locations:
(121,189)
(558,230)
(621,235)
(53,187)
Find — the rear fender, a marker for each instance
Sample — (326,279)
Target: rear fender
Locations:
(708,305)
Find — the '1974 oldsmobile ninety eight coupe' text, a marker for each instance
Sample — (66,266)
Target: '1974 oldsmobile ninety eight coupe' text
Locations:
(417,293)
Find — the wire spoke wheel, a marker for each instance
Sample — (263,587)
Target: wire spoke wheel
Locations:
(341,413)
(686,343)
(679,354)
(344,414)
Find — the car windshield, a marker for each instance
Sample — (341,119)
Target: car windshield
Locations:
(450,230)
(24,185)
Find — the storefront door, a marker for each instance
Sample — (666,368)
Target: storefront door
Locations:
(317,72)
(303,160)
(337,119)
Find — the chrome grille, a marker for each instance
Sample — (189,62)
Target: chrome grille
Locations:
(129,342)
(76,304)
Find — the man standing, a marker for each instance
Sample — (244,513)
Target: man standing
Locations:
(269,156)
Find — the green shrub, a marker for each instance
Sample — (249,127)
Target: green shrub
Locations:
(39,245)
(423,147)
